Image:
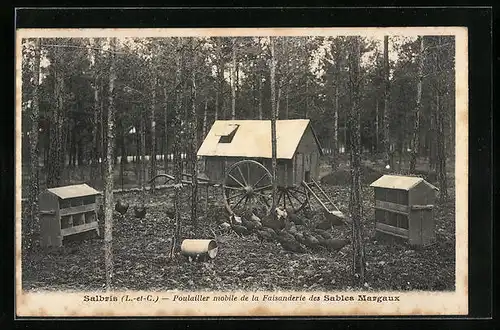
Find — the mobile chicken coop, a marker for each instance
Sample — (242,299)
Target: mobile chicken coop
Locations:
(404,207)
(238,155)
(67,211)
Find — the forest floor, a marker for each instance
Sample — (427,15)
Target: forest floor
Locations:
(140,251)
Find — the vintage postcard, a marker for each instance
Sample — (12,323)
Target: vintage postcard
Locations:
(242,172)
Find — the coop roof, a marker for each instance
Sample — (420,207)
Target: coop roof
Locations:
(78,190)
(399,182)
(252,138)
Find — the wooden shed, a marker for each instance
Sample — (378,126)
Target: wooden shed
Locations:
(66,211)
(404,207)
(230,141)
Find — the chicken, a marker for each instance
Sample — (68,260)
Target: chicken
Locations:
(295,218)
(225,226)
(275,223)
(299,237)
(121,207)
(255,218)
(324,225)
(240,230)
(235,219)
(140,211)
(290,244)
(265,234)
(336,218)
(310,241)
(250,225)
(170,213)
(237,227)
(323,234)
(333,244)
(286,235)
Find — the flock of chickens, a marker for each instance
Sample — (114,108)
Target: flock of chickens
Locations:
(283,226)
(122,208)
(288,229)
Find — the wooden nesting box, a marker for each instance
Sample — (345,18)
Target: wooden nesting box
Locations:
(66,211)
(404,207)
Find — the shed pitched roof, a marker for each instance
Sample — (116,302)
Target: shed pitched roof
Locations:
(253,138)
(78,190)
(399,182)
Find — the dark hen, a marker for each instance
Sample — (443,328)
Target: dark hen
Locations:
(323,234)
(333,244)
(310,241)
(121,207)
(266,234)
(296,219)
(140,211)
(290,244)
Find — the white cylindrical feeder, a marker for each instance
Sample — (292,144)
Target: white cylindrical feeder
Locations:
(199,248)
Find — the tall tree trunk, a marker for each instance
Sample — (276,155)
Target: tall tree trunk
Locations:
(56,157)
(177,157)
(165,123)
(355,193)
(233,81)
(194,144)
(418,108)
(376,127)
(306,110)
(205,118)
(143,158)
(123,160)
(335,146)
(108,178)
(153,135)
(102,123)
(273,122)
(387,152)
(34,151)
(260,97)
(440,126)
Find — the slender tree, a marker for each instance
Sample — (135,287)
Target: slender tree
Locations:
(152,121)
(165,128)
(194,140)
(418,108)
(56,158)
(108,177)
(33,138)
(233,79)
(273,120)
(176,151)
(355,141)
(387,152)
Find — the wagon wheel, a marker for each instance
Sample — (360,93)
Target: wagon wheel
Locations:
(294,198)
(247,184)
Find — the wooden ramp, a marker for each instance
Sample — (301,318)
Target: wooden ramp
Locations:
(315,190)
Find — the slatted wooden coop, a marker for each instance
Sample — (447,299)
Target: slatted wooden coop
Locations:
(238,154)
(404,207)
(67,211)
